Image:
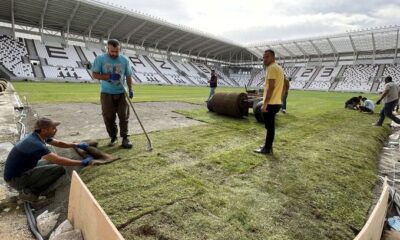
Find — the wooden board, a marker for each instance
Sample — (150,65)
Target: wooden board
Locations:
(372,230)
(85,213)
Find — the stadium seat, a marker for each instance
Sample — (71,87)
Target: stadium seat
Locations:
(357,78)
(11,57)
(57,55)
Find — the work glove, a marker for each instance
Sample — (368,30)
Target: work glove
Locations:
(87,160)
(115,76)
(82,145)
(378,102)
(131,93)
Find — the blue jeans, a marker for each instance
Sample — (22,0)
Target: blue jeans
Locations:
(387,111)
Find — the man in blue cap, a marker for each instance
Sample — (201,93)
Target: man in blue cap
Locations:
(25,170)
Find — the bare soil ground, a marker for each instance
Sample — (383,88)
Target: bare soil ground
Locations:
(84,120)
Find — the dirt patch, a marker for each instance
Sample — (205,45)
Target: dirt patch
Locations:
(84,120)
(13,225)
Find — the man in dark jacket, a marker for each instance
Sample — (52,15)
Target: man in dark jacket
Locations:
(213,84)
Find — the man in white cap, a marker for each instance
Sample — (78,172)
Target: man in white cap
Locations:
(26,172)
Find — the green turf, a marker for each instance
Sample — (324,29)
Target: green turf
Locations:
(204,182)
(77,92)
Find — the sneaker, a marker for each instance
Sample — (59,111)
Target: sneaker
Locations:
(263,151)
(126,143)
(283,110)
(26,196)
(113,141)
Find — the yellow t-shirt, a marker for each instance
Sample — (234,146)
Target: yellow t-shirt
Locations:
(275,72)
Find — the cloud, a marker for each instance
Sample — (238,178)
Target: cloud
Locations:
(260,20)
(300,26)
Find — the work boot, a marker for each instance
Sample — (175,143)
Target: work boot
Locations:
(113,141)
(26,196)
(126,143)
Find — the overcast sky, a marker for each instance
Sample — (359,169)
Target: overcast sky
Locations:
(252,21)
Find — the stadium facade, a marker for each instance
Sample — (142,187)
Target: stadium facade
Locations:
(52,40)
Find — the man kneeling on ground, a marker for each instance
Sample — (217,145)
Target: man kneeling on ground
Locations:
(26,172)
(353,103)
(368,106)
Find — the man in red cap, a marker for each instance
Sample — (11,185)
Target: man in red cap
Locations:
(25,171)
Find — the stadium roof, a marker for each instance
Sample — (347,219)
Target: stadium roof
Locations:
(372,41)
(96,19)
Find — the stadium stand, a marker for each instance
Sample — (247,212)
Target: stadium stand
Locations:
(241,79)
(91,53)
(325,78)
(166,69)
(392,70)
(12,53)
(57,55)
(358,78)
(66,74)
(188,70)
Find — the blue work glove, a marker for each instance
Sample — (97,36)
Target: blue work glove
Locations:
(115,76)
(130,93)
(82,145)
(87,160)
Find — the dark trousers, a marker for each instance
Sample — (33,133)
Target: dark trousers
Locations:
(269,119)
(387,111)
(112,105)
(284,100)
(39,178)
(364,109)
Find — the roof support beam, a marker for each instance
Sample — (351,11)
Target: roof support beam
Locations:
(176,40)
(374,46)
(129,35)
(396,47)
(301,49)
(116,25)
(209,47)
(150,34)
(316,48)
(216,50)
(12,18)
(332,47)
(354,49)
(224,50)
(352,44)
(71,17)
(287,50)
(198,45)
(42,17)
(95,21)
(165,37)
(188,43)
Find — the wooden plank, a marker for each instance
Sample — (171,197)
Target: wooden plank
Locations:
(372,230)
(85,213)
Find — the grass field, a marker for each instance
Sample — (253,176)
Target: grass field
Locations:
(204,182)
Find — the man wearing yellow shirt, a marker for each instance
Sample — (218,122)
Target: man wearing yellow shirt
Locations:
(272,100)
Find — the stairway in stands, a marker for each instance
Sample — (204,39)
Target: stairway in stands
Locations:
(181,72)
(157,70)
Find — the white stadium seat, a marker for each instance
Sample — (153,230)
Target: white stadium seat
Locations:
(325,78)
(57,55)
(66,74)
(11,57)
(358,78)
